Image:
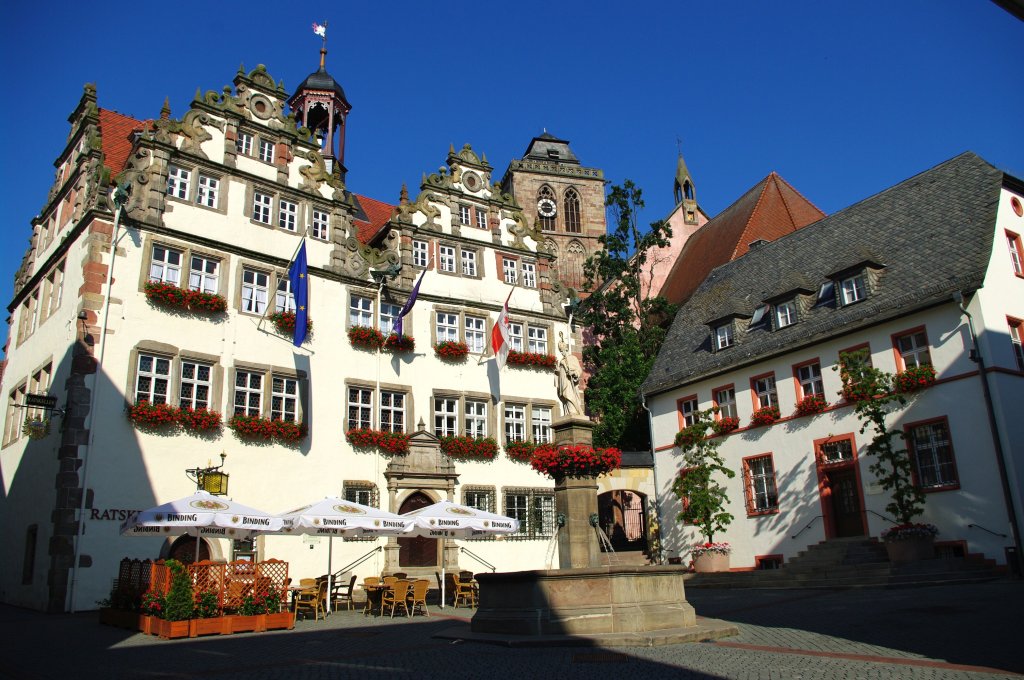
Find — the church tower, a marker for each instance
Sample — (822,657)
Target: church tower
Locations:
(565,199)
(319,104)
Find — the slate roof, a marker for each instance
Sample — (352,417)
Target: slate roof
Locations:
(321,80)
(933,234)
(116,131)
(547,147)
(770,209)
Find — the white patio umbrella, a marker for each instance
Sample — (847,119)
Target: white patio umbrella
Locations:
(201,514)
(335,516)
(445,519)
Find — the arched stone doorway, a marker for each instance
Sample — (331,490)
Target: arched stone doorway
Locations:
(184,550)
(416,551)
(623,517)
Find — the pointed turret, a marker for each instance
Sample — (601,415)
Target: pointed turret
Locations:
(684,192)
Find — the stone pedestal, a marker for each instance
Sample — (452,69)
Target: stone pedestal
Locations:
(576,501)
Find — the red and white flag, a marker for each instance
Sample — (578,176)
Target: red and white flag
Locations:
(499,335)
(320,30)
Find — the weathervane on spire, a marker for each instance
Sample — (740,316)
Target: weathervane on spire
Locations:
(321,30)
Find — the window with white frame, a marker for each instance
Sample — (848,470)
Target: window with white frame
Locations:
(1016,333)
(541,421)
(284,398)
(208,191)
(764,389)
(202,275)
(287,214)
(165,267)
(363,493)
(475,334)
(255,289)
(33,311)
(725,400)
(469,262)
(196,380)
(932,450)
(266,151)
(56,279)
(515,422)
(360,312)
(447,327)
(762,494)
(321,224)
(508,268)
(785,314)
(360,408)
(809,377)
(447,255)
(537,340)
(688,411)
(261,204)
(243,144)
(479,497)
(177,182)
(420,253)
(152,379)
(913,349)
(515,336)
(852,289)
(529,275)
(535,510)
(446,416)
(388,317)
(476,418)
(13,423)
(723,336)
(39,384)
(1013,242)
(284,298)
(392,411)
(464,215)
(248,397)
(481,218)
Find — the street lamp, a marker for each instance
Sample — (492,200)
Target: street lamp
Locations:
(210,479)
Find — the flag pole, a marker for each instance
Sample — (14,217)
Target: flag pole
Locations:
(288,266)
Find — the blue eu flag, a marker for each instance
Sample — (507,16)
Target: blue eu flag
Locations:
(298,274)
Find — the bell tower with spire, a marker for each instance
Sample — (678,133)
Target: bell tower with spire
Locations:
(319,104)
(685,194)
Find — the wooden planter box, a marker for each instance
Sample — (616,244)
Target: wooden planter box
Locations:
(146,624)
(217,625)
(171,629)
(121,618)
(246,624)
(280,621)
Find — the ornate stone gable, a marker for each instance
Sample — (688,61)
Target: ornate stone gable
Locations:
(424,460)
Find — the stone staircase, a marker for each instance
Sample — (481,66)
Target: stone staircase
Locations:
(852,563)
(624,558)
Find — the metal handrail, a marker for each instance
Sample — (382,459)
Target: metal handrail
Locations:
(994,533)
(478,558)
(807,527)
(890,521)
(357,562)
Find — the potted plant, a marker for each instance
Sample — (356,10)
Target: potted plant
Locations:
(520,451)
(451,350)
(469,448)
(36,427)
(284,323)
(364,337)
(576,461)
(811,404)
(699,489)
(178,603)
(766,415)
(206,618)
(892,465)
(710,557)
(399,343)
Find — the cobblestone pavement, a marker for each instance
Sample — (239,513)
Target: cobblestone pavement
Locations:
(966,631)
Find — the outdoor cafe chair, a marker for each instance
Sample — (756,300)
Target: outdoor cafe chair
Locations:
(464,592)
(418,596)
(369,584)
(396,596)
(313,599)
(342,592)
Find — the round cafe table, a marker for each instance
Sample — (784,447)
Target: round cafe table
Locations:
(374,597)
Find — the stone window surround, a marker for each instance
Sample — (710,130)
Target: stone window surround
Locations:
(527,532)
(193,187)
(462,398)
(528,403)
(526,324)
(12,431)
(176,355)
(407,321)
(462,313)
(303,214)
(281,149)
(459,246)
(46,291)
(187,250)
(275,275)
(492,505)
(410,404)
(268,371)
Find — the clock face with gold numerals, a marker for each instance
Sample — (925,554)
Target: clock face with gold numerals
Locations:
(546,207)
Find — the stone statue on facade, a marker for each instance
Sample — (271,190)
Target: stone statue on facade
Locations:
(568,380)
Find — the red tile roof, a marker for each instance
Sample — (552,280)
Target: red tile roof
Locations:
(772,208)
(378,214)
(116,129)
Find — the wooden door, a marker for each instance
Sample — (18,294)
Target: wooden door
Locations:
(184,550)
(844,499)
(416,551)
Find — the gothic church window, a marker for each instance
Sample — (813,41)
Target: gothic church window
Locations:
(572,265)
(572,211)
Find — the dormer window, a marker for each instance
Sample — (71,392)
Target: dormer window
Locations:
(853,289)
(785,314)
(724,336)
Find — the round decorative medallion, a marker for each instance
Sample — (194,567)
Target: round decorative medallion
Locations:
(1017,207)
(261,107)
(471,181)
(546,207)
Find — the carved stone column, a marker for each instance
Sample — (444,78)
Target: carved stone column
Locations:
(576,501)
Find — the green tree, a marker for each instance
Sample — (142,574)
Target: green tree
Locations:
(628,325)
(697,486)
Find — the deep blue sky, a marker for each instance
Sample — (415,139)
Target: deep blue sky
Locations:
(842,99)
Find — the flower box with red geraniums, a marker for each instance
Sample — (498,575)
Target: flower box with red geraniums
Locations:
(914,378)
(254,427)
(284,322)
(364,337)
(531,359)
(811,404)
(399,343)
(169,295)
(389,443)
(153,415)
(521,452)
(766,415)
(450,350)
(725,424)
(289,431)
(199,420)
(469,448)
(575,461)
